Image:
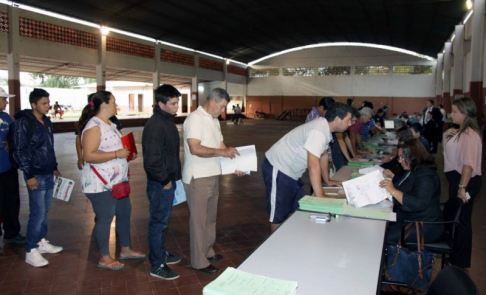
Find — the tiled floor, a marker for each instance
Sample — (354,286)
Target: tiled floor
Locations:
(242,226)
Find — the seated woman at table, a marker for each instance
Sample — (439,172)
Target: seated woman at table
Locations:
(416,194)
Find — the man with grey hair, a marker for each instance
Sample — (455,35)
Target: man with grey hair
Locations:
(363,117)
(203,147)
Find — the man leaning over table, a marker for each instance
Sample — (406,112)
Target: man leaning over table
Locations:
(303,147)
(203,145)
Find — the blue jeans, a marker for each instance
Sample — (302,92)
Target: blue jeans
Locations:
(160,208)
(39,203)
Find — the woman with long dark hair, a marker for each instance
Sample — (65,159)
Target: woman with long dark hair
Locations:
(416,192)
(462,166)
(103,152)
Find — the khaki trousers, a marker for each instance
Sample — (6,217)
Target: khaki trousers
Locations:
(202,197)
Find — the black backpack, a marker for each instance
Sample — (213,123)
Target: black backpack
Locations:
(11,142)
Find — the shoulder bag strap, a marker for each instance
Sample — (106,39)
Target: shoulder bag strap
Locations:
(419,247)
(98,174)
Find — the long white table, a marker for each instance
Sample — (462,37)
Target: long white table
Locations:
(343,256)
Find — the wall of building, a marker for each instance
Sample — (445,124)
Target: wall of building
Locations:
(408,93)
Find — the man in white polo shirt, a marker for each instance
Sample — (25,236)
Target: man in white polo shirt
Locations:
(303,147)
(203,145)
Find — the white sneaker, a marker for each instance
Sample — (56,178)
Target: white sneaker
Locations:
(34,258)
(46,247)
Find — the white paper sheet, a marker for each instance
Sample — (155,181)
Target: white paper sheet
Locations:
(365,190)
(246,161)
(370,169)
(63,187)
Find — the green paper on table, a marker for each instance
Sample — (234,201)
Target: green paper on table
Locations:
(236,282)
(335,206)
(369,144)
(340,207)
(361,164)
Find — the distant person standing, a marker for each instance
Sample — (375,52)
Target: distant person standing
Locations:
(436,115)
(36,158)
(441,123)
(237,113)
(9,180)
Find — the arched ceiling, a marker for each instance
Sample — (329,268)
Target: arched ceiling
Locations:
(246,30)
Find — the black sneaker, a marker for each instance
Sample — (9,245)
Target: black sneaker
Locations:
(171,258)
(164,272)
(19,239)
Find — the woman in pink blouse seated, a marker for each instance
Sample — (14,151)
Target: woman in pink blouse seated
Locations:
(462,167)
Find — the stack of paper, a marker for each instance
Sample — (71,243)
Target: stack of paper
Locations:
(371,169)
(245,162)
(365,190)
(237,282)
(326,205)
(360,164)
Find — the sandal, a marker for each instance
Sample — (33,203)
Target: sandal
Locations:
(112,266)
(135,255)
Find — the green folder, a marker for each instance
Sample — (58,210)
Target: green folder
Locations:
(326,205)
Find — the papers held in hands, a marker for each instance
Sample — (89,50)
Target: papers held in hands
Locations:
(245,162)
(63,188)
(365,190)
(179,193)
(234,281)
(128,142)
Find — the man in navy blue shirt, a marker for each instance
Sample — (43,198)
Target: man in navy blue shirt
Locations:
(9,184)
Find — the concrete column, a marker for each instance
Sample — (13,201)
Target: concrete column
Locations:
(13,60)
(446,85)
(458,47)
(477,39)
(194,91)
(156,73)
(224,85)
(438,78)
(101,66)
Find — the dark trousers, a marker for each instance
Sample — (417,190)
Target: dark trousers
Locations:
(10,203)
(440,130)
(106,207)
(463,240)
(161,200)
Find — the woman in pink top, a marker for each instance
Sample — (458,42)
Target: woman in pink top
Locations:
(462,166)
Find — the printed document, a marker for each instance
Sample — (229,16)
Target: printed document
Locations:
(63,188)
(237,282)
(370,169)
(365,190)
(245,162)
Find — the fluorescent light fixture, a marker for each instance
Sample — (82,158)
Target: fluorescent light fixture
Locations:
(104,30)
(335,44)
(52,14)
(133,35)
(175,45)
(467,17)
(469,4)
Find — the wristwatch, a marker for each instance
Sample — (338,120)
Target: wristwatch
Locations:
(462,186)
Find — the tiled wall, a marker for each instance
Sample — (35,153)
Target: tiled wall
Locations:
(176,57)
(210,64)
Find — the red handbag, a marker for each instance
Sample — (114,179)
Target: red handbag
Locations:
(120,190)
